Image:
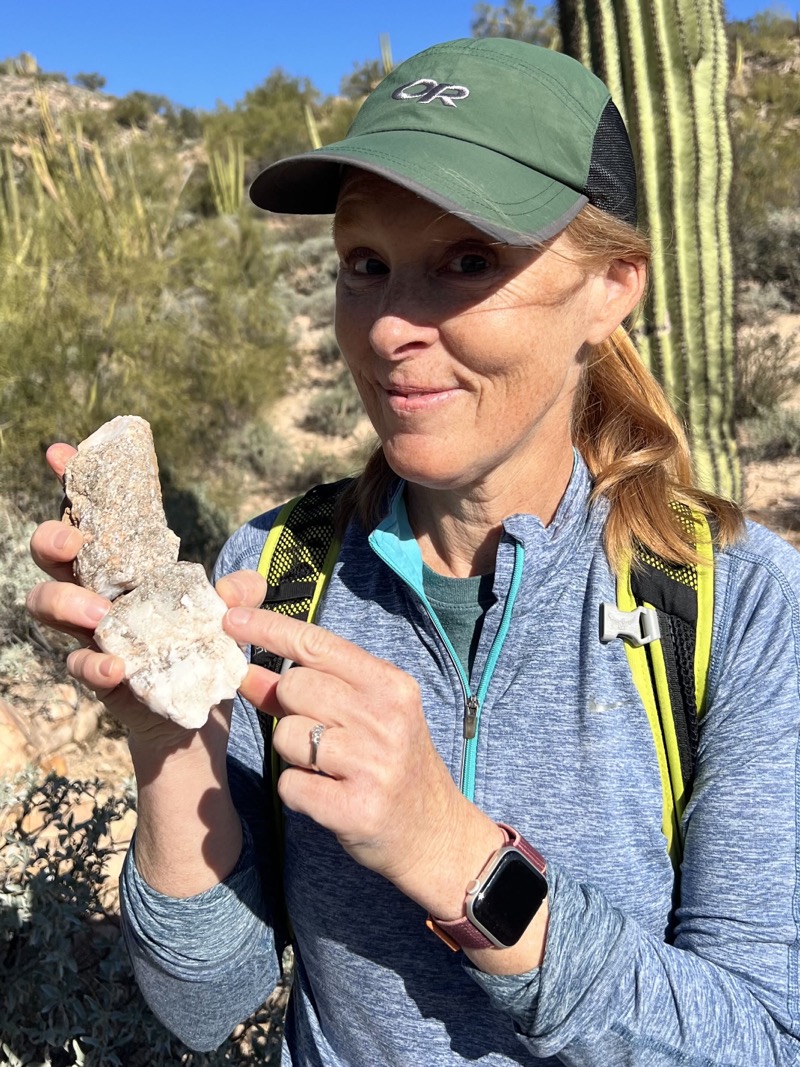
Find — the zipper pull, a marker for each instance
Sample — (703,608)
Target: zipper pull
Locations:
(471,717)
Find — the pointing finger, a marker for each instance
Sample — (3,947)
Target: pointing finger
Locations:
(303,643)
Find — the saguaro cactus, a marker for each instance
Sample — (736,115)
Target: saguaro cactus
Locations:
(666,64)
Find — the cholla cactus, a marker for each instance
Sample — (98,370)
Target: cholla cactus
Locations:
(666,64)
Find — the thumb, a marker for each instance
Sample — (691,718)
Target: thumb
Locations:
(242,589)
(58,455)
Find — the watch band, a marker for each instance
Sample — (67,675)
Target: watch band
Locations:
(460,933)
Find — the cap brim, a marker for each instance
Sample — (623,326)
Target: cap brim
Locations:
(460,177)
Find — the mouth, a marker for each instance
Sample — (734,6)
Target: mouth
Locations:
(407,398)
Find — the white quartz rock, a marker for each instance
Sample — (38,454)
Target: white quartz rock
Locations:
(178,659)
(114,498)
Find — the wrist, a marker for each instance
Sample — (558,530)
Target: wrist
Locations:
(188,833)
(502,902)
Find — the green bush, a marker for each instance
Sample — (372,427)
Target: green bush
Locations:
(757,303)
(113,301)
(328,350)
(317,466)
(91,81)
(27,650)
(265,453)
(767,372)
(774,88)
(135,110)
(318,306)
(773,436)
(335,411)
(69,992)
(770,253)
(767,35)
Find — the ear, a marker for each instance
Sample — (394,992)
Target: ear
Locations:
(617,291)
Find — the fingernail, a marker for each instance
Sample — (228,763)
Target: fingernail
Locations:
(239,616)
(61,538)
(107,667)
(95,610)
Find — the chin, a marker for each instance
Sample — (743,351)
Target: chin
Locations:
(432,471)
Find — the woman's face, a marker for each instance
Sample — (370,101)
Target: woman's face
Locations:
(466,352)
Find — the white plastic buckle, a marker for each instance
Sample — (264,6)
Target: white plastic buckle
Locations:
(638,627)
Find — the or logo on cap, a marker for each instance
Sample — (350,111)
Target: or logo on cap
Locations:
(426,90)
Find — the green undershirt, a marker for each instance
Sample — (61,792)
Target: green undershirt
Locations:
(460,605)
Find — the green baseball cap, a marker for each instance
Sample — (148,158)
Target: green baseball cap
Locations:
(509,136)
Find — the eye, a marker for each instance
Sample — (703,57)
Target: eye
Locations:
(469,263)
(363,262)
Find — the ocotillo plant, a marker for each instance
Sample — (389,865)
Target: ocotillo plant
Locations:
(666,64)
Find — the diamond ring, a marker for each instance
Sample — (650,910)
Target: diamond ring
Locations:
(316,736)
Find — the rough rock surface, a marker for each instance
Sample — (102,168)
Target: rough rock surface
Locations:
(179,661)
(114,498)
(166,619)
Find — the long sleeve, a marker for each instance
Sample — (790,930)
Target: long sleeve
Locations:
(725,990)
(207,962)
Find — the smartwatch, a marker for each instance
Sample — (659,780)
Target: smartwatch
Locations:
(502,902)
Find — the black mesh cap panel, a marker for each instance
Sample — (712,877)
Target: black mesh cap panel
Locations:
(611,185)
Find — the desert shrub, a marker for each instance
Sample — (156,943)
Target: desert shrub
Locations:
(199,522)
(318,466)
(767,35)
(310,268)
(772,87)
(295,229)
(772,436)
(771,253)
(258,447)
(269,121)
(316,253)
(318,306)
(189,124)
(18,574)
(328,351)
(24,644)
(756,303)
(766,371)
(91,81)
(134,110)
(337,410)
(111,302)
(70,995)
(517,19)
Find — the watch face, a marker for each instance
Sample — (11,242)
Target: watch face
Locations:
(508,899)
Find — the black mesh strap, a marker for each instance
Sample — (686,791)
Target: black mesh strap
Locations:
(672,590)
(677,645)
(296,567)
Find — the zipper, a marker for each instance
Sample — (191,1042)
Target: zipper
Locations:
(472,701)
(470,754)
(471,709)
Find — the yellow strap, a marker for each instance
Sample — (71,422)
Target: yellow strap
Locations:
(650,677)
(268,551)
(705,610)
(640,671)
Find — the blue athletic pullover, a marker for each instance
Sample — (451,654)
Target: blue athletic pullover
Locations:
(565,754)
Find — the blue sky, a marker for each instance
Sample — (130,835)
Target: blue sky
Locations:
(200,53)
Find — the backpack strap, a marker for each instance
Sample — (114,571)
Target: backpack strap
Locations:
(671,673)
(297,561)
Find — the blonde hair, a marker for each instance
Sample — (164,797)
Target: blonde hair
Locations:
(633,443)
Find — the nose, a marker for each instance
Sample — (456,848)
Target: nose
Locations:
(404,322)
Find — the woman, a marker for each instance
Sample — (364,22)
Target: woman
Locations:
(484,219)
